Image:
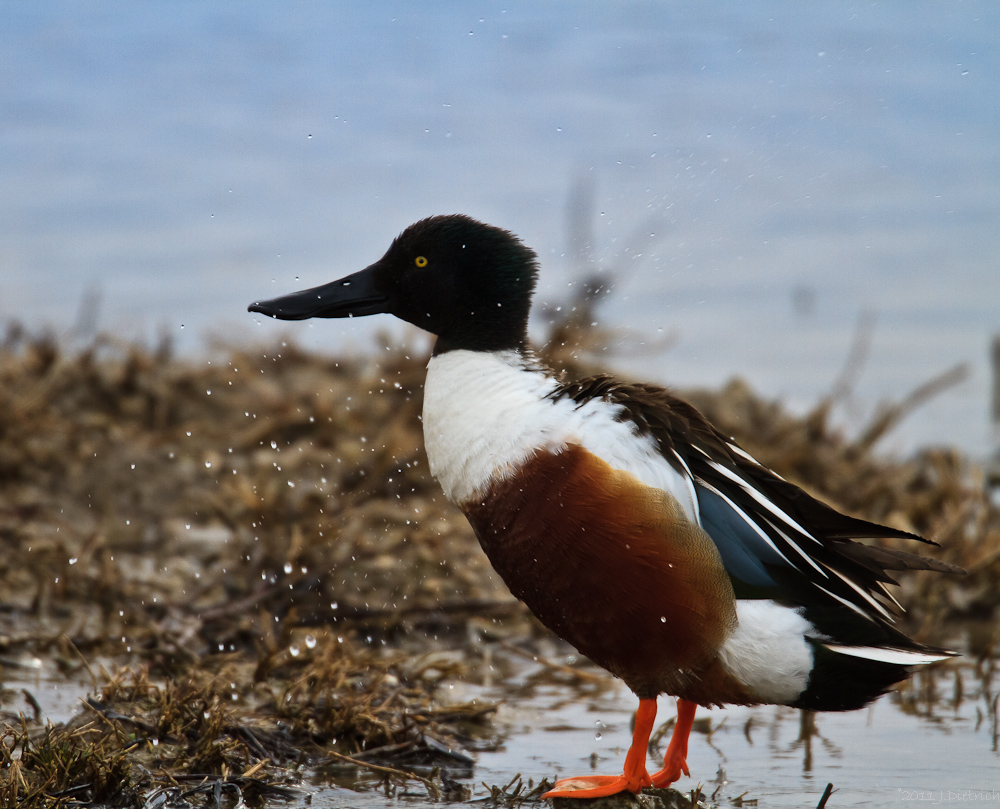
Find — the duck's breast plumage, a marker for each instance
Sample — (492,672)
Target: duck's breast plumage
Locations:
(486,413)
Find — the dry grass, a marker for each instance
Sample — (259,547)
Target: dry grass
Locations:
(227,722)
(222,530)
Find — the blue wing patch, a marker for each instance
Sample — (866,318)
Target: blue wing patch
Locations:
(744,551)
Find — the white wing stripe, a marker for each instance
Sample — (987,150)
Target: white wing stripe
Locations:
(847,603)
(866,596)
(689,480)
(799,550)
(749,521)
(899,657)
(886,592)
(756,495)
(682,462)
(742,453)
(748,457)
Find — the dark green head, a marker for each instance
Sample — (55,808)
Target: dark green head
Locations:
(465,281)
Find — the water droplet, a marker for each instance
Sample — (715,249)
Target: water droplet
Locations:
(274,445)
(294,650)
(310,642)
(73,560)
(288,567)
(208,464)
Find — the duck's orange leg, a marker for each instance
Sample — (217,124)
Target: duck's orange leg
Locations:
(675,759)
(635,776)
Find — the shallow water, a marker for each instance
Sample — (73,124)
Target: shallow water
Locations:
(878,756)
(935,742)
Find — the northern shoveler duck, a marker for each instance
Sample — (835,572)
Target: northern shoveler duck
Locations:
(628,524)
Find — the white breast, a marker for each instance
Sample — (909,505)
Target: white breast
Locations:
(486,413)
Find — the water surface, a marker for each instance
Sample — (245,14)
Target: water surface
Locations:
(935,741)
(760,174)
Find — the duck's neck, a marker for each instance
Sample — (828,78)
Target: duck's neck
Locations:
(483,344)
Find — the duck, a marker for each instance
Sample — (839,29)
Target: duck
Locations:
(631,527)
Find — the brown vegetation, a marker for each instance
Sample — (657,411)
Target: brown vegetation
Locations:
(249,544)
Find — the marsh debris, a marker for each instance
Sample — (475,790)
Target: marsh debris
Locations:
(247,559)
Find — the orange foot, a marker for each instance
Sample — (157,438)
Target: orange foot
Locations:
(596,786)
(635,776)
(675,760)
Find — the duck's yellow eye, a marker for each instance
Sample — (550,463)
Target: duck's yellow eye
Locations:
(420,261)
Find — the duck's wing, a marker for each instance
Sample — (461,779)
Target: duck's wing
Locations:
(776,541)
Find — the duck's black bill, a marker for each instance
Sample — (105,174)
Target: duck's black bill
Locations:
(352,296)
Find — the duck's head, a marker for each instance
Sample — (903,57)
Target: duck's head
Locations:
(465,281)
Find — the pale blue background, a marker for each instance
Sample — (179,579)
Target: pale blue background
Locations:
(184,158)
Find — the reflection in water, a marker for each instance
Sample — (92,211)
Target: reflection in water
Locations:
(971,684)
(807,729)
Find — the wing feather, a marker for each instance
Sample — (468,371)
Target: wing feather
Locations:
(773,537)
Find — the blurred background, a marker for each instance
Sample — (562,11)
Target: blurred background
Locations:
(766,185)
